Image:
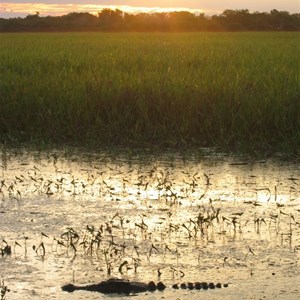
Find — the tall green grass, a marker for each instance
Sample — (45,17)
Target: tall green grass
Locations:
(237,91)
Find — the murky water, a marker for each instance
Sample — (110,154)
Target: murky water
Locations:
(85,217)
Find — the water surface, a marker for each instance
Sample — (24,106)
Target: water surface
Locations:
(79,217)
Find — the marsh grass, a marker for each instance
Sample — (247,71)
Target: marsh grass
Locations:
(236,91)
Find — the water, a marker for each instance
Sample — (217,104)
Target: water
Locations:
(77,217)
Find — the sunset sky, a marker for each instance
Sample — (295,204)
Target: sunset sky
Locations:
(22,8)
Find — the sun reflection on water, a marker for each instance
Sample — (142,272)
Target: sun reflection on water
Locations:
(86,214)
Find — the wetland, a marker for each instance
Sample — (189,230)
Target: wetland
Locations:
(235,91)
(77,216)
(83,217)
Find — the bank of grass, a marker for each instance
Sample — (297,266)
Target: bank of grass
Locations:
(236,91)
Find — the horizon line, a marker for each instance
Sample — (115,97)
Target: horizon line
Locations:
(14,10)
(23,9)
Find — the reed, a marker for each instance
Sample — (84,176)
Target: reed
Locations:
(236,91)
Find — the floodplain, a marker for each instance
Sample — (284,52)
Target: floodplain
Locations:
(85,217)
(235,91)
(212,194)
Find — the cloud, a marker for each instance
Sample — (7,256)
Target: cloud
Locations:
(20,9)
(55,7)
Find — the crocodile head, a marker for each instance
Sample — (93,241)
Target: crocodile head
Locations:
(69,287)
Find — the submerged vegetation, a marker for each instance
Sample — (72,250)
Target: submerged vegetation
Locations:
(84,219)
(3,289)
(88,217)
(237,91)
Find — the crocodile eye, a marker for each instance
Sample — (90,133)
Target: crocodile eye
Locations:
(152,286)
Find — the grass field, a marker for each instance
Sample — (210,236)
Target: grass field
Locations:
(236,91)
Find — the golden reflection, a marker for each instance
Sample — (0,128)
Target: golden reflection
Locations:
(184,184)
(82,217)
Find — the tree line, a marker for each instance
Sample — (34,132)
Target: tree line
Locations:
(117,20)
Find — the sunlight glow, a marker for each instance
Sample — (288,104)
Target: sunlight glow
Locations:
(61,9)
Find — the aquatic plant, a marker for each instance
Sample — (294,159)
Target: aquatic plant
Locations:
(6,250)
(3,289)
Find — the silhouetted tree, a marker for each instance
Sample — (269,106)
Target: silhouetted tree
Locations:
(110,19)
(117,20)
(183,21)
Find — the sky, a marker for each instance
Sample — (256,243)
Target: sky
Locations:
(21,8)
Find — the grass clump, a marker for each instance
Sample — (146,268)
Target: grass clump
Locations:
(237,91)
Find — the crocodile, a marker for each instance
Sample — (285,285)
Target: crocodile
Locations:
(123,286)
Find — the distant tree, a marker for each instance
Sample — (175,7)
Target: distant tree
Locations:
(281,20)
(183,21)
(78,21)
(235,20)
(109,19)
(117,20)
(35,16)
(202,22)
(259,21)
